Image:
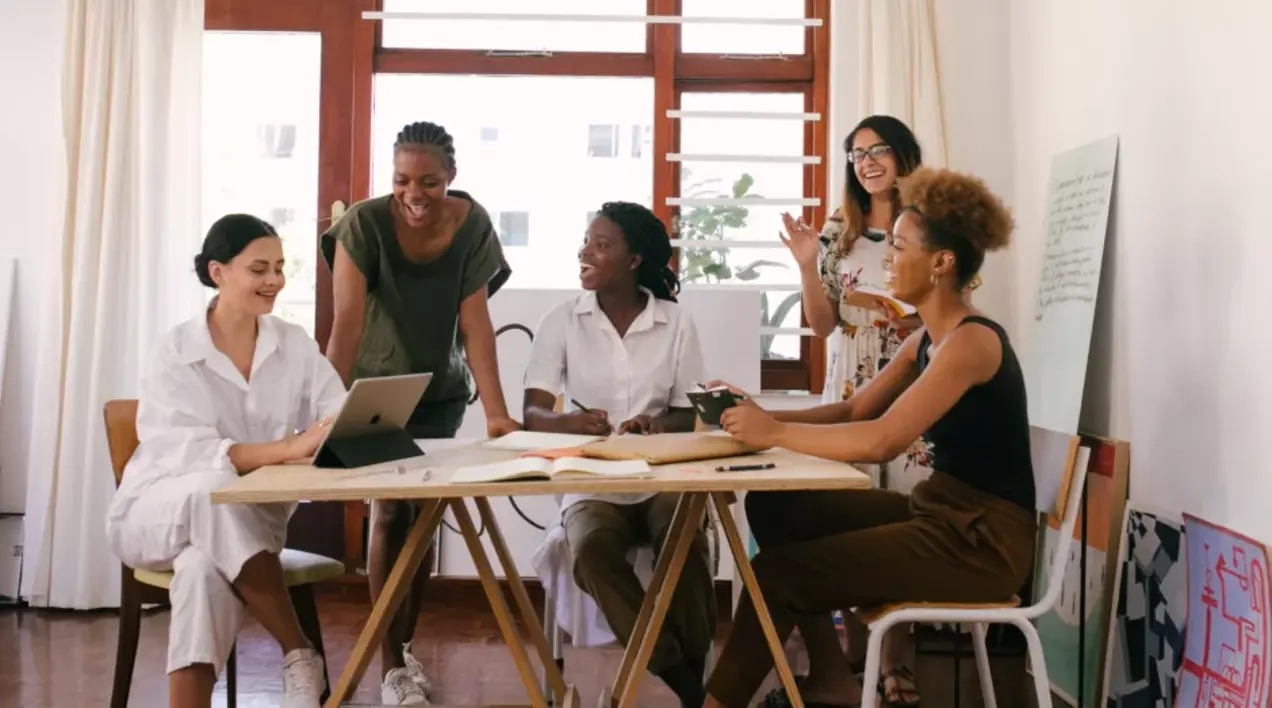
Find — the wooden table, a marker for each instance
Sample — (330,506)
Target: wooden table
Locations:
(426,480)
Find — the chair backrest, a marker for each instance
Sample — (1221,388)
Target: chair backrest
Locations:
(1060,466)
(121,433)
(1054,455)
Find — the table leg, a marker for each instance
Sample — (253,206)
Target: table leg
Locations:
(671,559)
(391,596)
(494,594)
(725,517)
(529,618)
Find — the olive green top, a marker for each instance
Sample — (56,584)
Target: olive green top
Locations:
(412,315)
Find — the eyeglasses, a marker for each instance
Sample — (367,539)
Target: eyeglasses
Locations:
(876,152)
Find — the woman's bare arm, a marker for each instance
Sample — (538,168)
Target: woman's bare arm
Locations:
(969,356)
(349,299)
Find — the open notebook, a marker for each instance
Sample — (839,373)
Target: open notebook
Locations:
(527,441)
(540,468)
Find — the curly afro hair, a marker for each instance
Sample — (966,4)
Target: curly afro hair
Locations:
(959,214)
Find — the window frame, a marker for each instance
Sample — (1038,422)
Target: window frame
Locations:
(352,53)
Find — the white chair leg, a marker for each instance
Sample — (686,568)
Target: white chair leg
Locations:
(552,631)
(874,655)
(1037,661)
(982,666)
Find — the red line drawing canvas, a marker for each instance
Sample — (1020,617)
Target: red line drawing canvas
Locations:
(1227,644)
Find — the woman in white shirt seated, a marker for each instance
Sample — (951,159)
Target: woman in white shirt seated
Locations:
(225,394)
(625,355)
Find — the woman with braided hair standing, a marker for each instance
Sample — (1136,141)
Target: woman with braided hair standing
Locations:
(625,356)
(411,275)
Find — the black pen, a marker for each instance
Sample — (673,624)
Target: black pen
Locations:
(746,468)
(580,406)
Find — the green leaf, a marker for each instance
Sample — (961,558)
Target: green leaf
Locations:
(743,185)
(720,271)
(751,270)
(784,308)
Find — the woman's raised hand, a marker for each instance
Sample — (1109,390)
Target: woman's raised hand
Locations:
(802,240)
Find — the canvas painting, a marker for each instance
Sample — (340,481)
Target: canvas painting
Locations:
(1078,624)
(1146,639)
(1226,649)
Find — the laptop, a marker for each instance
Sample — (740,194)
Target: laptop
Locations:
(371,426)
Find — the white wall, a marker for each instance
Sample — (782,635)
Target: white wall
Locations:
(1180,352)
(31,182)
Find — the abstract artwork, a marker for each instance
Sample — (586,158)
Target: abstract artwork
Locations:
(1146,639)
(1078,624)
(1226,649)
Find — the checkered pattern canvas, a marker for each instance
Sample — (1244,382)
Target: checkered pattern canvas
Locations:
(1147,634)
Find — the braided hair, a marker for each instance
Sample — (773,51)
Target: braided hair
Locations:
(425,135)
(647,236)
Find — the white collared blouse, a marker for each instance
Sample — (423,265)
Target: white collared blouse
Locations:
(194,404)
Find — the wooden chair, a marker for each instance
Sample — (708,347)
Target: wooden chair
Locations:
(141,587)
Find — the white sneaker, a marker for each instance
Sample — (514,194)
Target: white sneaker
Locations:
(416,669)
(302,679)
(399,689)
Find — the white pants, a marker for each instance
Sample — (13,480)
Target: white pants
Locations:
(173,525)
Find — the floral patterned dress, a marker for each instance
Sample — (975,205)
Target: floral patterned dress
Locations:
(865,340)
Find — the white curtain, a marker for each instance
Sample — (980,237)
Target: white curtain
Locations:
(130,106)
(899,73)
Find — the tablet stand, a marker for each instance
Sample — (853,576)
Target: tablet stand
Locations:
(367,449)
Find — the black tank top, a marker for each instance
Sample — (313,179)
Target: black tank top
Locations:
(984,439)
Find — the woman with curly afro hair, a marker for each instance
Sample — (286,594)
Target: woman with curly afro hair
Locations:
(965,534)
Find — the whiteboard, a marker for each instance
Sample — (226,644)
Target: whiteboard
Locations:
(1075,229)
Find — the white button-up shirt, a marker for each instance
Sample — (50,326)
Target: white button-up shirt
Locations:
(650,369)
(194,404)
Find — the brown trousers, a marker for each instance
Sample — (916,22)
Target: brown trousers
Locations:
(825,551)
(600,534)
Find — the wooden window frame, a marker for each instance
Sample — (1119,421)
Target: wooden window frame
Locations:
(352,54)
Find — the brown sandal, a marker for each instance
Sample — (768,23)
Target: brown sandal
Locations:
(894,695)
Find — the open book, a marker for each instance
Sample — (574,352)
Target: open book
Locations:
(873,298)
(540,468)
(527,441)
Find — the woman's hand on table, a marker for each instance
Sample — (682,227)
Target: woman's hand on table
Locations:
(499,427)
(306,444)
(643,425)
(590,422)
(752,425)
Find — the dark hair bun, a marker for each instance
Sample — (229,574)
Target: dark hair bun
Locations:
(227,238)
(201,269)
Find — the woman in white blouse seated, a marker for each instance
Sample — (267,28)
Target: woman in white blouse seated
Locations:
(225,394)
(625,355)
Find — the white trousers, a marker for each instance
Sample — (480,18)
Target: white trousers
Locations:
(173,525)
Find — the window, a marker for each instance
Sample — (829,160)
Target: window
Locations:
(499,35)
(608,83)
(702,38)
(260,146)
(602,141)
(759,259)
(641,139)
(280,217)
(539,165)
(277,141)
(591,216)
(514,228)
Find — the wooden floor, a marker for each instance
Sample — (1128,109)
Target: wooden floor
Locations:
(66,659)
